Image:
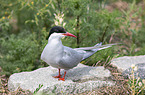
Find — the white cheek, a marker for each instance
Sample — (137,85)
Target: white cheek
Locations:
(56,36)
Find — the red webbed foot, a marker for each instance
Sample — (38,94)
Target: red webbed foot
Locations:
(59,76)
(61,79)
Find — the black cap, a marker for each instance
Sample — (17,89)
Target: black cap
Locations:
(56,29)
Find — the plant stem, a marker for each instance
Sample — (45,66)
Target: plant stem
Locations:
(78,33)
(103,36)
(133,86)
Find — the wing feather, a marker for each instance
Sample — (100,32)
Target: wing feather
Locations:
(88,51)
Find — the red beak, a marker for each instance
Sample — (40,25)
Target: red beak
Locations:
(69,34)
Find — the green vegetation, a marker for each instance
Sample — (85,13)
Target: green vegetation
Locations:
(37,89)
(136,85)
(25,24)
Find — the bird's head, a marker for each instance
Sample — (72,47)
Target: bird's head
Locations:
(60,32)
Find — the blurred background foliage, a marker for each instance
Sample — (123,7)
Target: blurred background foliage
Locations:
(25,24)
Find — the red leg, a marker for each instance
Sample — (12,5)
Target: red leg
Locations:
(59,76)
(63,78)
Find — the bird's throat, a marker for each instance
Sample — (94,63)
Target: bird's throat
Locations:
(55,47)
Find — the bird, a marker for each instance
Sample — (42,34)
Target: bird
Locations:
(59,56)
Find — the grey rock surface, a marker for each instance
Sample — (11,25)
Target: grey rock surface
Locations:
(124,64)
(78,80)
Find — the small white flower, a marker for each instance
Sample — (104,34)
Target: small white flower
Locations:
(56,22)
(62,15)
(140,84)
(133,66)
(64,24)
(55,15)
(74,28)
(60,20)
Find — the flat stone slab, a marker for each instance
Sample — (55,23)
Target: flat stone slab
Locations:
(78,80)
(124,64)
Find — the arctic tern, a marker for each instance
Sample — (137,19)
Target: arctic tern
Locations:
(59,56)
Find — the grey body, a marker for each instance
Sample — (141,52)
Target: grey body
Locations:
(62,57)
(59,56)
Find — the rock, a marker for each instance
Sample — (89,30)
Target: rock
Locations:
(123,64)
(78,80)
